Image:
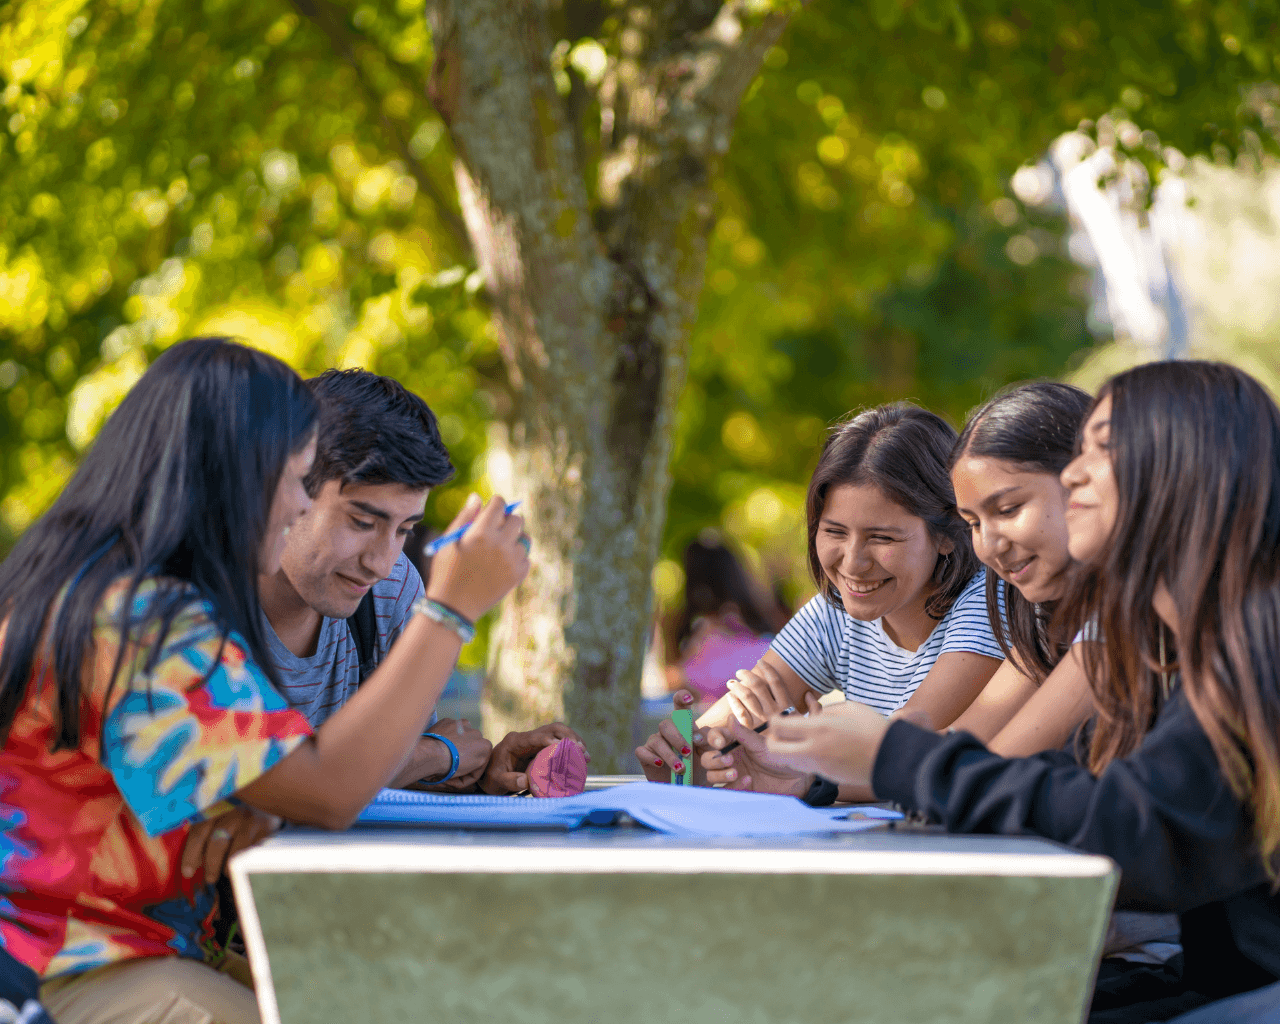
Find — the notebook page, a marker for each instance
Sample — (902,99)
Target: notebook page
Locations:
(675,810)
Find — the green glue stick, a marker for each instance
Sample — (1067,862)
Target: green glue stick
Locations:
(684,722)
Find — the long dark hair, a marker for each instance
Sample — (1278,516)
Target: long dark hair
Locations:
(1033,426)
(713,577)
(179,485)
(1195,450)
(903,450)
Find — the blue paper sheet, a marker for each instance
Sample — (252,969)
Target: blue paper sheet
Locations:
(690,811)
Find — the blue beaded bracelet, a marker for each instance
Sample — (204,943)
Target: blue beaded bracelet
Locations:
(453,754)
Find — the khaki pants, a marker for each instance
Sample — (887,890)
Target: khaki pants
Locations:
(155,990)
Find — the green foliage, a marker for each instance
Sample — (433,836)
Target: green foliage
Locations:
(179,168)
(869,248)
(174,167)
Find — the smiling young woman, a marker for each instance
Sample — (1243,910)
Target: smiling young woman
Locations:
(1006,468)
(879,560)
(1175,514)
(899,622)
(1094,501)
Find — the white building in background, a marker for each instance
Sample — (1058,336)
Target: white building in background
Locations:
(1189,267)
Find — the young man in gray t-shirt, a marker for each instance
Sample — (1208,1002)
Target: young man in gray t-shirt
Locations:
(378,455)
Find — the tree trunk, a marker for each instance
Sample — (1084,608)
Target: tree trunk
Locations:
(593,255)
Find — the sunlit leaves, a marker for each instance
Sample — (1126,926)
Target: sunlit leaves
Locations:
(213,167)
(885,256)
(230,166)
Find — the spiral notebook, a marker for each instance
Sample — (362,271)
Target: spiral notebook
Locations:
(675,810)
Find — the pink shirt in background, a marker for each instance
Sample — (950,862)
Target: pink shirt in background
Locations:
(717,649)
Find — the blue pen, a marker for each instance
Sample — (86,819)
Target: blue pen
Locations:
(452,535)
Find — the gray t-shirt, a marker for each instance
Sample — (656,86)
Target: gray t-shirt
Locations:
(317,686)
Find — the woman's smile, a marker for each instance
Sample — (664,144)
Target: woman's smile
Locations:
(1017,572)
(879,559)
(1093,507)
(863,587)
(1018,520)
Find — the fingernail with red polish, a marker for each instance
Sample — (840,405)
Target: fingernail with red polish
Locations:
(658,761)
(678,766)
(686,751)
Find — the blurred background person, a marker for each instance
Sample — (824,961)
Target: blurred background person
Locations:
(727,621)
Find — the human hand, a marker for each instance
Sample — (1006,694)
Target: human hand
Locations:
(477,571)
(473,754)
(749,765)
(756,694)
(666,749)
(507,768)
(840,744)
(211,843)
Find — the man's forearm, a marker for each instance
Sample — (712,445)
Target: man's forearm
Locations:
(429,759)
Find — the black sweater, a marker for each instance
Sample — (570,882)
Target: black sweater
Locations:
(1184,842)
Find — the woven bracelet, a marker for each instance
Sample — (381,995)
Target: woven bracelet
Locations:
(447,617)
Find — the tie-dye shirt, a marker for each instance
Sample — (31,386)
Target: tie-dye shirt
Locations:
(91,839)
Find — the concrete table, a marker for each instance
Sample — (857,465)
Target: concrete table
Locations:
(627,926)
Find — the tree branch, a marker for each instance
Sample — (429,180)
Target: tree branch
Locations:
(330,21)
(673,112)
(742,50)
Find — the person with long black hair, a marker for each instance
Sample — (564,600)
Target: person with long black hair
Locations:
(1175,517)
(137,695)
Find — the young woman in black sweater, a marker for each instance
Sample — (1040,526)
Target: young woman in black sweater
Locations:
(1175,518)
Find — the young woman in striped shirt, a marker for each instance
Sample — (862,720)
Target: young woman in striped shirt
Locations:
(900,621)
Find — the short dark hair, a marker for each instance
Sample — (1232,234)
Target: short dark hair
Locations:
(374,430)
(903,450)
(1034,426)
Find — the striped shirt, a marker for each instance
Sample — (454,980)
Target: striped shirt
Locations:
(317,686)
(828,648)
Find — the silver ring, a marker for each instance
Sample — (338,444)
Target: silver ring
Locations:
(220,833)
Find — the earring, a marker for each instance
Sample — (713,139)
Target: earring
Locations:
(1164,676)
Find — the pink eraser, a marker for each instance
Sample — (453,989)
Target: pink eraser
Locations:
(560,770)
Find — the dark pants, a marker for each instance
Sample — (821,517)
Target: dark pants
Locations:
(1129,993)
(1140,994)
(1261,1006)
